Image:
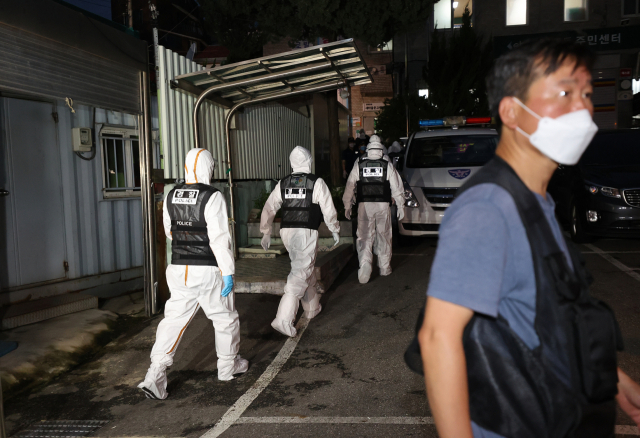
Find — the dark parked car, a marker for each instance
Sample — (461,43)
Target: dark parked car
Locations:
(600,196)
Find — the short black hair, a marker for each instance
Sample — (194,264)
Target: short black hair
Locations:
(513,73)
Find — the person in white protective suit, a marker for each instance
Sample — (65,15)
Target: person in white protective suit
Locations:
(305,199)
(373,183)
(395,147)
(375,139)
(200,274)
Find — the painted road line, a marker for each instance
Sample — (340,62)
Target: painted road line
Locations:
(233,414)
(335,420)
(620,430)
(618,264)
(611,252)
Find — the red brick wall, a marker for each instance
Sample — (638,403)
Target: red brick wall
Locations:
(380,89)
(275,48)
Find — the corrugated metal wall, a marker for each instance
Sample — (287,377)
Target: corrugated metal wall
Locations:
(263,138)
(103,235)
(35,65)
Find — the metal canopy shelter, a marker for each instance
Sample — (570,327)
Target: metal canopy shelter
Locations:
(320,68)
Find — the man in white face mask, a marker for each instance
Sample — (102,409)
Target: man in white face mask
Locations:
(502,354)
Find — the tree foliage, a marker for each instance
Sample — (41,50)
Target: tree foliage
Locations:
(455,76)
(456,72)
(244,26)
(391,122)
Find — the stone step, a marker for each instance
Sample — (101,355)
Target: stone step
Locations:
(253,229)
(323,242)
(270,276)
(29,312)
(329,265)
(256,252)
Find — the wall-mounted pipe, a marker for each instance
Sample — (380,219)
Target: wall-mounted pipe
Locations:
(148,200)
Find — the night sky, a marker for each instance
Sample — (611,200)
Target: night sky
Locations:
(98,7)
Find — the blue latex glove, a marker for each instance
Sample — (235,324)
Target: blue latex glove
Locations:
(228,285)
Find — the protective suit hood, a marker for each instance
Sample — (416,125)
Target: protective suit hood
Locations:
(198,166)
(375,150)
(301,160)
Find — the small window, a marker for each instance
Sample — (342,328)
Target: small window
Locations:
(442,12)
(516,12)
(575,10)
(121,162)
(630,7)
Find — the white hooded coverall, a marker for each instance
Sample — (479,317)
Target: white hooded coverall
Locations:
(395,147)
(374,218)
(194,286)
(302,244)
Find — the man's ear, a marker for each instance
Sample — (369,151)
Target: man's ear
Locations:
(508,111)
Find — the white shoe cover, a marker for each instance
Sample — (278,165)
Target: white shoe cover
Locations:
(155,383)
(385,272)
(364,273)
(284,327)
(240,366)
(312,313)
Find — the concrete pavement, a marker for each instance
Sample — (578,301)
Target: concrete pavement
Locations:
(343,376)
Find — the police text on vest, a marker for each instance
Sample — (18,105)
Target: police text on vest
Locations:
(185,197)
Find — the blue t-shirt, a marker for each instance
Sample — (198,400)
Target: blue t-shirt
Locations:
(484,263)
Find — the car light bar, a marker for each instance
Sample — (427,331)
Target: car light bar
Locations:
(478,120)
(454,121)
(431,122)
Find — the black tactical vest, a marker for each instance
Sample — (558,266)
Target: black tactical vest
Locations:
(373,184)
(298,209)
(190,242)
(565,387)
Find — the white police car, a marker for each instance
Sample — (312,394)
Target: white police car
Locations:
(436,163)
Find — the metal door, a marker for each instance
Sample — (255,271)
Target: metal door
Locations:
(31,213)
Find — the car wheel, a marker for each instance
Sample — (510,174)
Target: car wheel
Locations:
(576,225)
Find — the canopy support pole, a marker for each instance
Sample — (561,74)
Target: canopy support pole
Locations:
(148,200)
(196,125)
(3,431)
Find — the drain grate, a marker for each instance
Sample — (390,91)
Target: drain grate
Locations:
(61,429)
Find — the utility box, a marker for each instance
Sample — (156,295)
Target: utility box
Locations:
(81,139)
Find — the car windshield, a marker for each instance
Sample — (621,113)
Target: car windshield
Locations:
(613,149)
(452,151)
